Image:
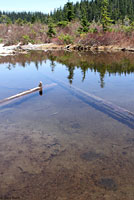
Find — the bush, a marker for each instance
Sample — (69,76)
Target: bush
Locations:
(62,24)
(1,40)
(26,39)
(83,30)
(51,31)
(127,29)
(67,39)
(106,38)
(4,19)
(93,30)
(19,22)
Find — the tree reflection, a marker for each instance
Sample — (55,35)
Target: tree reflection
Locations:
(118,63)
(52,64)
(37,65)
(71,73)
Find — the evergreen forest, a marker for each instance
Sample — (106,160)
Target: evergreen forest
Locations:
(89,9)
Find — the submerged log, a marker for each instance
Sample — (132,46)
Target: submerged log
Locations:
(116,112)
(39,88)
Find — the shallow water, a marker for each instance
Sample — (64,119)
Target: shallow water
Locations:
(58,146)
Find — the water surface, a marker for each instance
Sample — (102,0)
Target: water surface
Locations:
(58,146)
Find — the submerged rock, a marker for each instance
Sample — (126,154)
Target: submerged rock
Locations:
(91,155)
(75,126)
(107,183)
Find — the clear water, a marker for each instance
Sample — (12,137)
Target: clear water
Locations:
(57,146)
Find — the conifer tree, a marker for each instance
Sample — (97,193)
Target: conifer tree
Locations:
(84,22)
(114,9)
(70,11)
(51,31)
(105,19)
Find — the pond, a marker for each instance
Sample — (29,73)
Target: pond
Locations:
(76,140)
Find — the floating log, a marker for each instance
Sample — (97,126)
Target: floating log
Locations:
(39,88)
(116,112)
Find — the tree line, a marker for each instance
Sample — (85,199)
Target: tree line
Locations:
(23,17)
(87,10)
(118,10)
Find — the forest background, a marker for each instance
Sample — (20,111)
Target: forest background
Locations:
(88,22)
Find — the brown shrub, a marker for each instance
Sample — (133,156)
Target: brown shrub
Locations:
(108,38)
(14,33)
(37,33)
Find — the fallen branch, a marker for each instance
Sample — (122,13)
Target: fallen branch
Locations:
(39,88)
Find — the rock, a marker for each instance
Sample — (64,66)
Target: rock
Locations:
(91,156)
(107,183)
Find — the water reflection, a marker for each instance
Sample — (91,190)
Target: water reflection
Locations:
(104,63)
(60,146)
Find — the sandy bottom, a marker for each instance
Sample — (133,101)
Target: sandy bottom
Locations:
(56,147)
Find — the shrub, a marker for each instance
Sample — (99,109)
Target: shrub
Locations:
(83,29)
(56,41)
(62,24)
(93,30)
(1,40)
(51,30)
(127,29)
(67,39)
(19,22)
(4,19)
(26,39)
(106,38)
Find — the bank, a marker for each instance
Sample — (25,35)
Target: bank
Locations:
(19,48)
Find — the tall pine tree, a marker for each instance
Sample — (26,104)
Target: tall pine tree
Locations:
(70,11)
(105,19)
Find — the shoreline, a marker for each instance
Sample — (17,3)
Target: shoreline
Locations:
(19,48)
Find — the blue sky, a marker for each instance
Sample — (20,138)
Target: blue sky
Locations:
(32,5)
